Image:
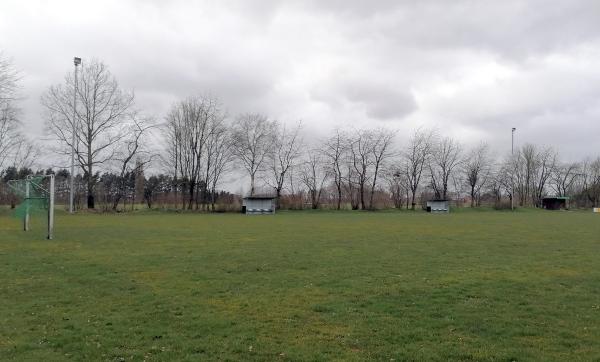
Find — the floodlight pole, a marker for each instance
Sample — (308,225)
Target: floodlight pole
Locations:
(512,176)
(76,61)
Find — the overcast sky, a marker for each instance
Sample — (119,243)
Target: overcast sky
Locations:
(471,69)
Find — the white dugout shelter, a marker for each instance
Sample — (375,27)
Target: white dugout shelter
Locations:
(258,205)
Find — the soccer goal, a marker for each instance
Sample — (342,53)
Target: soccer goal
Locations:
(37,194)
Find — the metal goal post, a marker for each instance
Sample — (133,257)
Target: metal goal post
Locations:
(36,193)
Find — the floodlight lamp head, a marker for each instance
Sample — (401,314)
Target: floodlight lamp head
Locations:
(76,61)
(514,129)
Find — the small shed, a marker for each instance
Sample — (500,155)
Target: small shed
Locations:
(436,206)
(258,205)
(555,203)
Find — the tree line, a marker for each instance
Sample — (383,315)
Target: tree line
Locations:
(185,158)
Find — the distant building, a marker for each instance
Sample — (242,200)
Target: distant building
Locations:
(436,206)
(555,203)
(258,205)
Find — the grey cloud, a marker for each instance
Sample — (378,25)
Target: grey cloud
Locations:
(477,67)
(509,28)
(381,102)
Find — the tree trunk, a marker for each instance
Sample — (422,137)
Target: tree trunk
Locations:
(116,202)
(175,188)
(252,185)
(339,199)
(183,196)
(372,192)
(191,195)
(90,191)
(212,200)
(90,180)
(277,199)
(373,187)
(362,195)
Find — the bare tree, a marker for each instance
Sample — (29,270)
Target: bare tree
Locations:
(101,116)
(284,155)
(499,182)
(398,187)
(564,178)
(544,166)
(173,136)
(334,150)
(219,157)
(590,181)
(416,156)
(458,184)
(361,151)
(188,128)
(132,149)
(25,153)
(532,167)
(477,168)
(252,142)
(10,136)
(445,158)
(381,152)
(350,176)
(314,174)
(524,162)
(9,131)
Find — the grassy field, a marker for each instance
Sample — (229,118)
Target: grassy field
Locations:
(303,286)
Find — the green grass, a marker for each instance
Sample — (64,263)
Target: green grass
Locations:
(303,286)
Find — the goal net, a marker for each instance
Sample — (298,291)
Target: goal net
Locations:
(37,197)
